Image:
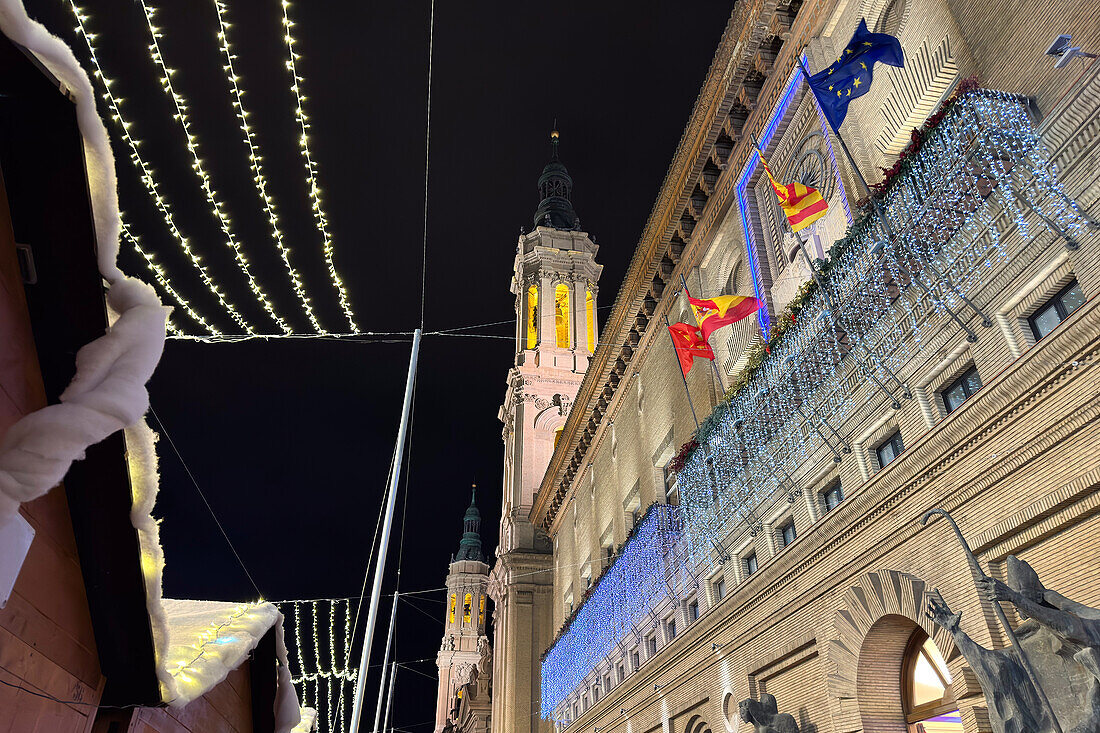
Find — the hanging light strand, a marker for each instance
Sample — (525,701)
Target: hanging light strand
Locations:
(255,162)
(199,168)
(149,180)
(311,168)
(162,279)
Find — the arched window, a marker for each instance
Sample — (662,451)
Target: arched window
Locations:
(467,607)
(926,688)
(590,316)
(454,601)
(481,611)
(561,315)
(532,317)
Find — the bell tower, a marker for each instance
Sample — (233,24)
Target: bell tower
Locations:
(465,649)
(555,283)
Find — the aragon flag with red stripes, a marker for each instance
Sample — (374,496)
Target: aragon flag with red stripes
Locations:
(722,310)
(802,205)
(690,343)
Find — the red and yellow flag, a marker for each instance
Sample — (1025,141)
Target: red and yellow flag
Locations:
(689,343)
(722,310)
(802,205)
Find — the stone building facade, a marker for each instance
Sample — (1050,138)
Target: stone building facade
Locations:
(816,586)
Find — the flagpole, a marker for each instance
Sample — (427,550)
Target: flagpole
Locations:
(683,376)
(717,374)
(877,206)
(387,526)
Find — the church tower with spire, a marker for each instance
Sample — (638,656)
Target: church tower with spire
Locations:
(555,284)
(465,657)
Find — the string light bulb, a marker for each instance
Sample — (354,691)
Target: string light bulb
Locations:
(199,168)
(314,189)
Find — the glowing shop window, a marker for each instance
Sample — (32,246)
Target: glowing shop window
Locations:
(532,317)
(930,707)
(561,315)
(454,601)
(467,607)
(590,316)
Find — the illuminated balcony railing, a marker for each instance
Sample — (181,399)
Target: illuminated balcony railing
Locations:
(627,592)
(889,286)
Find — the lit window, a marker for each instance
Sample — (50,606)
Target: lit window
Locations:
(467,607)
(532,317)
(961,389)
(751,564)
(481,611)
(561,315)
(929,705)
(454,602)
(557,435)
(832,496)
(590,316)
(693,610)
(720,589)
(1056,310)
(787,533)
(890,449)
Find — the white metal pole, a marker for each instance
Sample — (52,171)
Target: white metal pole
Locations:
(385,662)
(389,698)
(380,564)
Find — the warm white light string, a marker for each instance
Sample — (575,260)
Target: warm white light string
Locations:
(162,279)
(200,169)
(321,683)
(255,162)
(311,168)
(146,173)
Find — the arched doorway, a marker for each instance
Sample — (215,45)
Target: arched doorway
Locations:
(926,688)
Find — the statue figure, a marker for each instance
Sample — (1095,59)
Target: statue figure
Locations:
(765,716)
(485,662)
(1061,639)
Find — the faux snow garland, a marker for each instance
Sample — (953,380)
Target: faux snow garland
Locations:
(107,392)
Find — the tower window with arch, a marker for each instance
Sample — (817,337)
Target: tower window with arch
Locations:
(561,315)
(590,317)
(454,602)
(926,688)
(532,317)
(481,611)
(467,608)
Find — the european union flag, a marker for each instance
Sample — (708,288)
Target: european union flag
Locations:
(850,75)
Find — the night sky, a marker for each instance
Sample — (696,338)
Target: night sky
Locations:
(291,440)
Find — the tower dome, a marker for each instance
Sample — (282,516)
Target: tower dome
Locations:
(469,548)
(555,187)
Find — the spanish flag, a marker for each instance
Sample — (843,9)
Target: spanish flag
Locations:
(713,313)
(802,205)
(689,343)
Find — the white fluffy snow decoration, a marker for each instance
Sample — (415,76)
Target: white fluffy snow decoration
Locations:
(108,392)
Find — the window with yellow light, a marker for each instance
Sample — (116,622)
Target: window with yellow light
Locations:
(561,315)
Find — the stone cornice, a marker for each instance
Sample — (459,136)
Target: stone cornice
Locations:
(688,208)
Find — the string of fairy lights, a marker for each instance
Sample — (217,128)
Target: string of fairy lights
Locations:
(255,163)
(311,166)
(199,168)
(145,172)
(215,203)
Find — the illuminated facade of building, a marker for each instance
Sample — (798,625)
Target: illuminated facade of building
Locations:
(949,364)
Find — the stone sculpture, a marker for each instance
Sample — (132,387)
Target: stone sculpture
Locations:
(1062,641)
(765,716)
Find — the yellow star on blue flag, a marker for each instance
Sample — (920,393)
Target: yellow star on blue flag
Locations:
(850,75)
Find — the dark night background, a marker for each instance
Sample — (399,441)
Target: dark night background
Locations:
(291,440)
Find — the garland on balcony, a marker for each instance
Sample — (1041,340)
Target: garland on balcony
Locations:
(759,350)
